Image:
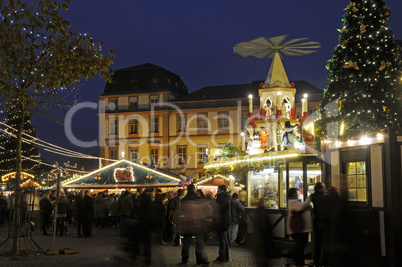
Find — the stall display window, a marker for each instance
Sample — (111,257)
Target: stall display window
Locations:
(314,176)
(356,180)
(264,185)
(296,177)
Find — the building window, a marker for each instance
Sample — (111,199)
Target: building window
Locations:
(243,120)
(356,181)
(133,155)
(113,104)
(181,155)
(133,102)
(153,99)
(113,126)
(154,124)
(181,123)
(113,154)
(154,156)
(133,126)
(202,155)
(202,122)
(223,121)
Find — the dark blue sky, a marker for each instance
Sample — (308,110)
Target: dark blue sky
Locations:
(195,40)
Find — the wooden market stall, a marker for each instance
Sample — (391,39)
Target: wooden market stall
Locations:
(124,174)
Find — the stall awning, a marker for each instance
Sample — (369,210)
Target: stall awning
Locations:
(124,174)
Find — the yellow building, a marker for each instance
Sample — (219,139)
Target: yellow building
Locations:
(148,115)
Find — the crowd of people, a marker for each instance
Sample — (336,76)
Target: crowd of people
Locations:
(178,217)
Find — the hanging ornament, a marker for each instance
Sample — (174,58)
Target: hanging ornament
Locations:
(384,65)
(351,64)
(362,30)
(340,104)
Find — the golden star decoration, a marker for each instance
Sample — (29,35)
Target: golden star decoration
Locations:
(149,176)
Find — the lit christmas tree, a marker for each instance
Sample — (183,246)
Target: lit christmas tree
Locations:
(365,74)
(8,144)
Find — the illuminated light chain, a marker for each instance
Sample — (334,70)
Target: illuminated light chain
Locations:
(49,145)
(251,160)
(74,179)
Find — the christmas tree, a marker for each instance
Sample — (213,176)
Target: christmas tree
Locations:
(365,74)
(8,143)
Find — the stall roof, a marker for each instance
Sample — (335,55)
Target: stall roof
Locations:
(124,174)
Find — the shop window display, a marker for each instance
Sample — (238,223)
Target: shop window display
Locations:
(296,177)
(313,176)
(264,185)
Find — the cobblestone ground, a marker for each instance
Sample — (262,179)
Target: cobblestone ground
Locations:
(105,249)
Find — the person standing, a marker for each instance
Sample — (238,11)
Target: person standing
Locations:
(298,224)
(159,211)
(222,223)
(142,233)
(3,208)
(62,213)
(176,214)
(192,223)
(236,211)
(321,224)
(88,214)
(78,213)
(45,211)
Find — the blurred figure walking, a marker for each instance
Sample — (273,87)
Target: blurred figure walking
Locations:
(298,224)
(222,223)
(193,210)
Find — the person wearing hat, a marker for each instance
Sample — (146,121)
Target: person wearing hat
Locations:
(236,211)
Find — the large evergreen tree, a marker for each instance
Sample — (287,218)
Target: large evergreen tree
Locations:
(42,60)
(8,143)
(365,78)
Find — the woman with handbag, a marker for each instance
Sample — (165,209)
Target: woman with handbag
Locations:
(298,224)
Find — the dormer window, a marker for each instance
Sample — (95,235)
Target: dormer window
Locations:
(113,103)
(155,81)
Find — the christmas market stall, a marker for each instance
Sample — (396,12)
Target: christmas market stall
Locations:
(27,181)
(209,185)
(124,174)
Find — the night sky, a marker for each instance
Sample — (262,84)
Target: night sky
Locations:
(195,39)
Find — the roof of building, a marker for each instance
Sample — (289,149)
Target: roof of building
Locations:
(242,91)
(125,173)
(145,78)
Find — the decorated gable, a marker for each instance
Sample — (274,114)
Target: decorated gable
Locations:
(125,173)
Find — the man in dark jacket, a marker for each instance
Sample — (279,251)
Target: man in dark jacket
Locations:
(236,211)
(46,209)
(141,236)
(222,224)
(192,223)
(88,214)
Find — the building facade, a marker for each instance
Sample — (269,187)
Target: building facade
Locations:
(147,115)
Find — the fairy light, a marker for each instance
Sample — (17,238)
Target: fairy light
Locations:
(73,179)
(248,160)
